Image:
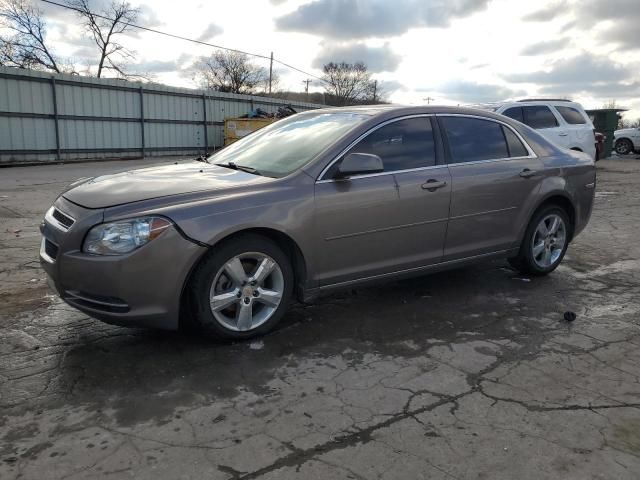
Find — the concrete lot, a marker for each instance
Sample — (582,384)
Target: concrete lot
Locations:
(469,374)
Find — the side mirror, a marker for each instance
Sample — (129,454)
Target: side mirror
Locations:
(359,164)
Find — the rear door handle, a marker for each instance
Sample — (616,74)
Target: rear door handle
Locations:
(527,173)
(432,184)
(563,134)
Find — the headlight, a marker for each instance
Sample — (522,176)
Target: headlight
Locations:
(124,236)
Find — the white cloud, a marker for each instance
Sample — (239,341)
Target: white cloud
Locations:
(457,51)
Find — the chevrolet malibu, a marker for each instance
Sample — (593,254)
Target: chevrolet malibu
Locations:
(317,201)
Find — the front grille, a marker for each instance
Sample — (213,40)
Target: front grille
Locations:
(62,218)
(51,249)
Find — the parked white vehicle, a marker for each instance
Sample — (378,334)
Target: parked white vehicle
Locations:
(562,122)
(626,140)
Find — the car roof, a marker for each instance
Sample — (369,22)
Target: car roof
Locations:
(493,106)
(401,110)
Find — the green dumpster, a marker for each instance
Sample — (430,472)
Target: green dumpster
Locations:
(605,121)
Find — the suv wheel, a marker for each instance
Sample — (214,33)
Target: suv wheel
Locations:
(242,289)
(623,146)
(545,242)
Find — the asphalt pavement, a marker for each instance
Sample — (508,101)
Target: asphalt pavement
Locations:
(467,374)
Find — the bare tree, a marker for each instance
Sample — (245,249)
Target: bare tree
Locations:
(347,83)
(106,27)
(26,46)
(376,93)
(233,72)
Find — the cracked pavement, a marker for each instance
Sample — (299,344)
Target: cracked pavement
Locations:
(467,374)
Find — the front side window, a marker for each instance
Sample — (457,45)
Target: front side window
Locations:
(539,116)
(571,115)
(473,139)
(288,144)
(401,145)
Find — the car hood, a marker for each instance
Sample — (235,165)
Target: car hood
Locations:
(147,183)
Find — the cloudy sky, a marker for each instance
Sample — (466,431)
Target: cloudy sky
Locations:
(453,51)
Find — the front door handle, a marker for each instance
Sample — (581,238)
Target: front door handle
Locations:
(563,134)
(432,184)
(527,173)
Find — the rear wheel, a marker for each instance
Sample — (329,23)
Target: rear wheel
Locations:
(623,146)
(545,242)
(242,289)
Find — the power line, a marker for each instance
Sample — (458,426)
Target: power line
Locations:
(186,39)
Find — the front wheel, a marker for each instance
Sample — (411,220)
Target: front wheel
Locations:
(242,288)
(545,242)
(623,146)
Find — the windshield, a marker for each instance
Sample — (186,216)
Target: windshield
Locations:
(286,145)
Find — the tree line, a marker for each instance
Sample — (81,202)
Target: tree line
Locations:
(343,83)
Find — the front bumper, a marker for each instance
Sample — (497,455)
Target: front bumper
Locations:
(141,288)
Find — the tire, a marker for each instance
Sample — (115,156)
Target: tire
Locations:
(244,274)
(540,255)
(623,146)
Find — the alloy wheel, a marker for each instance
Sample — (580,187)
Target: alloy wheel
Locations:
(548,241)
(623,147)
(246,291)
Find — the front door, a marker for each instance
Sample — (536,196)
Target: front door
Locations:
(370,225)
(493,176)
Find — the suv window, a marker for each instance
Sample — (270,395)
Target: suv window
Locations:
(516,148)
(401,145)
(472,139)
(571,115)
(539,116)
(515,113)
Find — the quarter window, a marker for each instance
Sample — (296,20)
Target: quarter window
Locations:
(571,115)
(473,139)
(539,116)
(516,148)
(401,145)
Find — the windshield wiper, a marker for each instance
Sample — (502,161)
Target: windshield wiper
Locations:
(243,168)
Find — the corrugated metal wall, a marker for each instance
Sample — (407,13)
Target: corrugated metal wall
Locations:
(46,117)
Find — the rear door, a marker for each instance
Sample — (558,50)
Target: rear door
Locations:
(541,118)
(374,224)
(579,128)
(493,174)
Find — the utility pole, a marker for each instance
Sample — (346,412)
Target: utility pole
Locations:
(375,90)
(270,72)
(306,86)
(429,100)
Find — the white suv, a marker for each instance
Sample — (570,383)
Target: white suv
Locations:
(626,140)
(563,122)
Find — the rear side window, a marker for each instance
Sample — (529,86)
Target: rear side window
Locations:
(516,148)
(401,145)
(515,113)
(571,115)
(539,116)
(473,139)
